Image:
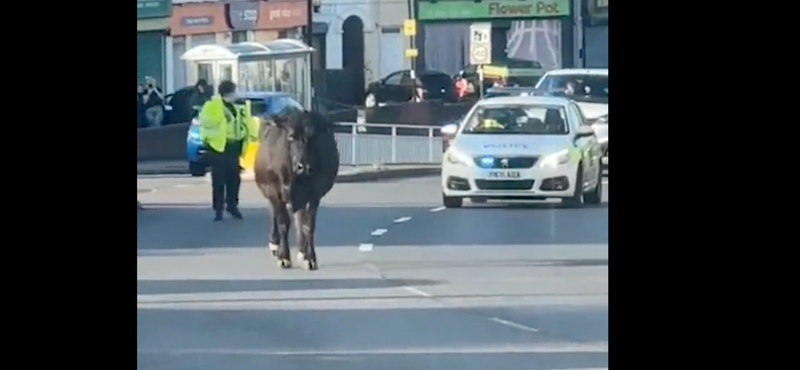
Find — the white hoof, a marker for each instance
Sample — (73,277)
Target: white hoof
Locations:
(310,265)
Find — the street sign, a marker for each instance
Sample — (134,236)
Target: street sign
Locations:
(409,27)
(480,43)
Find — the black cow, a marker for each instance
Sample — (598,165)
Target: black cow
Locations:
(296,165)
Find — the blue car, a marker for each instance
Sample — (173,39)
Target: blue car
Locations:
(261,103)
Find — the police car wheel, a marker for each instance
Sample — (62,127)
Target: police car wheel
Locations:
(452,202)
(595,197)
(577,199)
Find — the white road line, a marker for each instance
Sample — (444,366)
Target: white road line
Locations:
(401,220)
(379,232)
(513,324)
(183,185)
(600,347)
(365,247)
(417,291)
(575,368)
(437,209)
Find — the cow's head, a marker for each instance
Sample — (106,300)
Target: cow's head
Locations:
(299,131)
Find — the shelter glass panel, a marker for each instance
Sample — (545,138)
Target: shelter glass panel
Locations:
(256,76)
(286,71)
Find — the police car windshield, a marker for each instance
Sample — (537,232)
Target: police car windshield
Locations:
(518,119)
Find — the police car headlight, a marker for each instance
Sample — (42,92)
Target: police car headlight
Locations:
(555,159)
(456,156)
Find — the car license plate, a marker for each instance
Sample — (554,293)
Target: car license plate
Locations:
(504,174)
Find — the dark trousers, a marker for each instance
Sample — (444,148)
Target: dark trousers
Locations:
(225,177)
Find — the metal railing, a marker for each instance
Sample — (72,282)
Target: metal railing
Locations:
(379,143)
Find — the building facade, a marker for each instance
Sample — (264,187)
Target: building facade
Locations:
(596,33)
(347,42)
(390,41)
(364,37)
(530,30)
(203,22)
(152,30)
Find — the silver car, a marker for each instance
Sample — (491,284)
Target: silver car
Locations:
(589,89)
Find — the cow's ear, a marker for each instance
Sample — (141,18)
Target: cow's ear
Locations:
(308,125)
(281,120)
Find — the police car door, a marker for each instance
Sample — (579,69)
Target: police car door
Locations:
(584,144)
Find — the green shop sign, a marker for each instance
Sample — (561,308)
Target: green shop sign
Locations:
(460,9)
(153,8)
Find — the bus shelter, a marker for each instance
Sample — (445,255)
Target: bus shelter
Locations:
(279,65)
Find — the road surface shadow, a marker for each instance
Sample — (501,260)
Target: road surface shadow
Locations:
(532,205)
(186,227)
(409,265)
(460,361)
(367,339)
(172,302)
(229,286)
(190,226)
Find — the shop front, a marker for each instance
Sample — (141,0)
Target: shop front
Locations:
(596,33)
(226,23)
(281,19)
(194,25)
(537,32)
(152,23)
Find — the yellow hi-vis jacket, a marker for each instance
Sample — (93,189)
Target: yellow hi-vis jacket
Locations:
(216,126)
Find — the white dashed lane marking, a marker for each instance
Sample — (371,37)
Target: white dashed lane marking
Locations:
(437,209)
(418,292)
(365,247)
(513,324)
(402,219)
(379,232)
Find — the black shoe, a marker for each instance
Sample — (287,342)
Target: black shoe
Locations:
(218,217)
(235,213)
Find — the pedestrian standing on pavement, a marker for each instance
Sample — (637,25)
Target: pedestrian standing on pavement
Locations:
(225,129)
(153,102)
(140,108)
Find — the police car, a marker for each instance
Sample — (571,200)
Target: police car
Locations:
(522,147)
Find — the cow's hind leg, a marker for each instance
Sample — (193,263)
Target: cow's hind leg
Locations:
(301,224)
(274,236)
(282,221)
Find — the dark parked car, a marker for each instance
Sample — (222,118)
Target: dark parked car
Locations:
(398,87)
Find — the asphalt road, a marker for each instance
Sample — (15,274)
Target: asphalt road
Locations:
(403,284)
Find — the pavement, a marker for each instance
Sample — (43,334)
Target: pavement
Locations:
(404,284)
(346,173)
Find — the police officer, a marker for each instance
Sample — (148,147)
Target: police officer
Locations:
(226,128)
